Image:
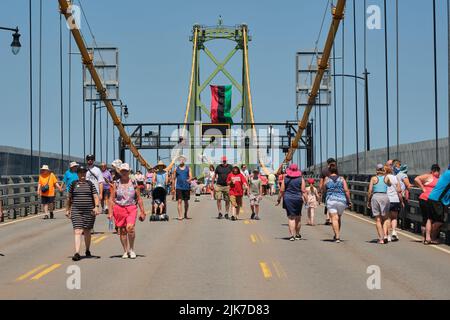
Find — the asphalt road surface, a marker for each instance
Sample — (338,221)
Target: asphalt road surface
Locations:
(207,258)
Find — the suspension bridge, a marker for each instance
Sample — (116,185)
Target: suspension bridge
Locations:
(204,257)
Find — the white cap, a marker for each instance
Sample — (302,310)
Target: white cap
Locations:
(125,167)
(45,167)
(73,164)
(116,164)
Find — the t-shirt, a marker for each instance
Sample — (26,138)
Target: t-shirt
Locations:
(82,194)
(392,190)
(95,176)
(255,186)
(442,189)
(222,172)
(108,178)
(51,180)
(69,177)
(272,178)
(238,181)
(401,176)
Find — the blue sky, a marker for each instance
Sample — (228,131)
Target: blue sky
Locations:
(155,55)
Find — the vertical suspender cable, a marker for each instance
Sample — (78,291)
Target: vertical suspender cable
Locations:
(106,138)
(366,115)
(320,134)
(31,88)
(356,87)
(397,78)
(343,90)
(436,124)
(61,92)
(101,136)
(40,85)
(335,103)
(70,97)
(387,80)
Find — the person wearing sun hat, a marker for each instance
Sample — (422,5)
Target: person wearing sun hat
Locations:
(293,193)
(160,177)
(125,198)
(46,190)
(70,175)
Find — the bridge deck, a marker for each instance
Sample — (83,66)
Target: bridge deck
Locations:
(206,258)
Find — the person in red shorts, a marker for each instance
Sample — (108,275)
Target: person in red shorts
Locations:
(125,196)
(238,183)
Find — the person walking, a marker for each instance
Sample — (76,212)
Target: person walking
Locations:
(107,177)
(401,171)
(70,175)
(94,174)
(312,201)
(238,185)
(182,182)
(125,199)
(209,181)
(149,181)
(293,194)
(221,189)
(324,174)
(255,194)
(396,203)
(378,201)
(430,222)
(82,208)
(337,199)
(272,179)
(46,190)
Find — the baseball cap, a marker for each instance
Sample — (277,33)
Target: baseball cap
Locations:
(224,158)
(380,167)
(73,164)
(125,167)
(90,157)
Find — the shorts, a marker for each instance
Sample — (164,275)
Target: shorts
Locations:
(183,194)
(124,216)
(47,200)
(222,193)
(380,204)
(336,207)
(106,193)
(236,201)
(395,207)
(254,200)
(437,211)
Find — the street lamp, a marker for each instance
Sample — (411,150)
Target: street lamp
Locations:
(125,111)
(15,44)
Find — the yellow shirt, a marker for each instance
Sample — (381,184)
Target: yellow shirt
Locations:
(49,179)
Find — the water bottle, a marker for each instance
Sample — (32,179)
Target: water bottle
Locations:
(111,225)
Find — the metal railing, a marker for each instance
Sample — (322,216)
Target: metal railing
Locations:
(409,219)
(19,198)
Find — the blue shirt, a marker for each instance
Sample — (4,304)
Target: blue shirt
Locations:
(335,189)
(69,177)
(182,178)
(440,188)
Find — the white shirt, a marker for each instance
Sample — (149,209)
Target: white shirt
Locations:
(392,190)
(95,176)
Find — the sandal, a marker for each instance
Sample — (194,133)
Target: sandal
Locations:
(426,242)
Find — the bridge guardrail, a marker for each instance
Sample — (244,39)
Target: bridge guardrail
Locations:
(410,218)
(18,196)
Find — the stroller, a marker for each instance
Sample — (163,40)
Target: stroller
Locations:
(159,204)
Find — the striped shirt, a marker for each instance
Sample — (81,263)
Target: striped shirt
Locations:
(82,194)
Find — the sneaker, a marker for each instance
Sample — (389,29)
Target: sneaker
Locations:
(233,218)
(292,239)
(76,257)
(337,241)
(394,238)
(88,254)
(132,254)
(51,215)
(328,223)
(125,255)
(220,216)
(257,218)
(253,216)
(106,211)
(389,239)
(298,237)
(386,240)
(227,216)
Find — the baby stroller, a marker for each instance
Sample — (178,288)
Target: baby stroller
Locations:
(159,204)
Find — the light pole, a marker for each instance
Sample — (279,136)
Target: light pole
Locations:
(15,44)
(365,78)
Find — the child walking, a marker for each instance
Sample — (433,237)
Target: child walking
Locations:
(312,202)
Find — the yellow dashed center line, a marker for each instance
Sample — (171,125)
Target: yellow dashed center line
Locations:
(279,270)
(253,238)
(46,271)
(29,273)
(99,239)
(265,270)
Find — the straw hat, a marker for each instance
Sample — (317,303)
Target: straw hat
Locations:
(161,164)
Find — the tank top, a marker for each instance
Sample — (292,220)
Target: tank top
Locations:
(335,189)
(125,194)
(182,178)
(380,186)
(428,188)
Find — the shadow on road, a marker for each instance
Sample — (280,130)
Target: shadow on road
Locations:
(120,257)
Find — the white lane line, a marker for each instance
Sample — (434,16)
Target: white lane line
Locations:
(26,219)
(399,232)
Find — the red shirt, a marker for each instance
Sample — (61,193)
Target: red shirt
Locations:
(239,180)
(264,180)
